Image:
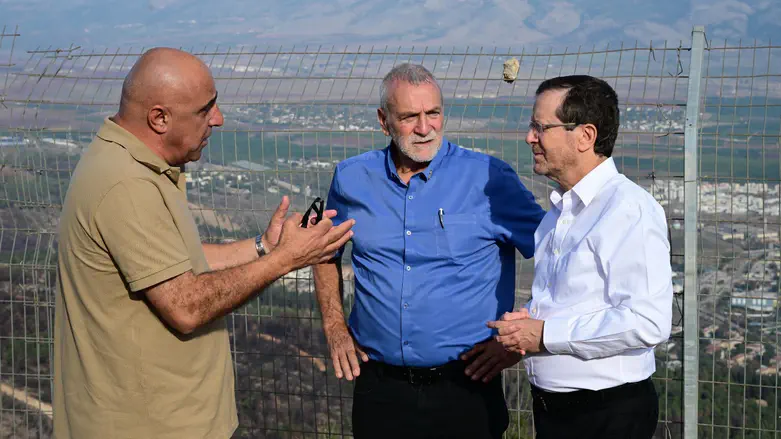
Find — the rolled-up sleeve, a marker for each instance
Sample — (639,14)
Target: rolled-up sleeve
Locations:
(337,201)
(514,213)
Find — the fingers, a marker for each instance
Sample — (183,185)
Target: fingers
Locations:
(508,330)
(472,352)
(337,365)
(281,212)
(345,355)
(491,374)
(327,215)
(361,353)
(294,219)
(483,365)
(477,362)
(507,340)
(502,325)
(346,363)
(354,364)
(338,233)
(342,364)
(521,314)
(517,350)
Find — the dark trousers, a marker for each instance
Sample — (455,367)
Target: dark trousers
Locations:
(388,403)
(624,412)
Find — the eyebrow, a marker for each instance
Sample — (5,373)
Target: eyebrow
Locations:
(415,113)
(209,105)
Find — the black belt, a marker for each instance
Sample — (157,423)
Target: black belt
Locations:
(555,401)
(419,375)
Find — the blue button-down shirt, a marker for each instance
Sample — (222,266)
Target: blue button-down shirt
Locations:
(434,259)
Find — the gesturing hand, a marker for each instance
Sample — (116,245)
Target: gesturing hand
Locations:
(302,247)
(274,229)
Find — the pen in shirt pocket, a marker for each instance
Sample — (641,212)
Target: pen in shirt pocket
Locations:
(441,213)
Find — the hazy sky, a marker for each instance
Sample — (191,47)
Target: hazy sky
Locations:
(474,23)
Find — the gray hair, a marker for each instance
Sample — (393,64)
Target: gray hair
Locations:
(414,74)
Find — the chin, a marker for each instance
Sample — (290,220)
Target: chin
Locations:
(540,170)
(194,157)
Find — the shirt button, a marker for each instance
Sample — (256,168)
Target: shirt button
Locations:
(408,233)
(534,310)
(406,305)
(406,343)
(409,268)
(411,197)
(556,252)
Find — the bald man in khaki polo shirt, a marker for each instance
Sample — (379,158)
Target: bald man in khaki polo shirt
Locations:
(141,345)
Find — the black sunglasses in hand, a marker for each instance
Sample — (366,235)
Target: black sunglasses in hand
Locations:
(317,206)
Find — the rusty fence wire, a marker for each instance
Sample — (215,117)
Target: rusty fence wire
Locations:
(292,113)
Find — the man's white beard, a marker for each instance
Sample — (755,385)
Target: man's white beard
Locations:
(407,146)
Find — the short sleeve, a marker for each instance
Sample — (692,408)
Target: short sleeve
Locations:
(141,235)
(515,214)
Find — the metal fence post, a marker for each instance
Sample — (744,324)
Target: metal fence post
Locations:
(691,331)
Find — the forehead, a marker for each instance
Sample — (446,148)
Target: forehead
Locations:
(405,97)
(205,81)
(547,103)
(200,88)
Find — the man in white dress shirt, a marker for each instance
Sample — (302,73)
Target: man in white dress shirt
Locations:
(602,292)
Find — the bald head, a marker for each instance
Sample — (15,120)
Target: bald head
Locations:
(162,76)
(169,102)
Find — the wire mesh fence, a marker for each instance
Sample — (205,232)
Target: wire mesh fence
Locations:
(739,244)
(292,113)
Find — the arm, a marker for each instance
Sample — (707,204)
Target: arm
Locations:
(329,288)
(515,214)
(328,285)
(638,280)
(190,301)
(344,351)
(233,254)
(145,243)
(222,256)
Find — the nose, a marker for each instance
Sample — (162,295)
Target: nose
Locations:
(423,126)
(217,118)
(531,136)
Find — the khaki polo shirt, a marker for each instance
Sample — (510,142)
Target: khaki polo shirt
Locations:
(119,371)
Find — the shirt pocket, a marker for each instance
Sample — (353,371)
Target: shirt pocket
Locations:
(457,235)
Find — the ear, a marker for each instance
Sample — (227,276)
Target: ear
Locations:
(159,119)
(587,137)
(383,120)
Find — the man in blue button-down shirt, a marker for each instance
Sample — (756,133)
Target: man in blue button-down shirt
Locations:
(436,232)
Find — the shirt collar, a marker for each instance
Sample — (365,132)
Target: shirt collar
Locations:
(113,133)
(589,186)
(430,169)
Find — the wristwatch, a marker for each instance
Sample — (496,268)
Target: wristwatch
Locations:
(259,245)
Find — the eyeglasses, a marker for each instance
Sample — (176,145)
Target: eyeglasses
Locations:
(540,128)
(317,206)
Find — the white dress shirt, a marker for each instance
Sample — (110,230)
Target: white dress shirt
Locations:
(602,284)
